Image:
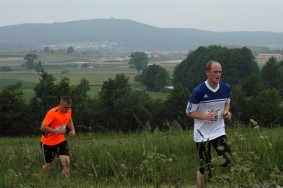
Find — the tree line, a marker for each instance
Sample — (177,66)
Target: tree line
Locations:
(256,94)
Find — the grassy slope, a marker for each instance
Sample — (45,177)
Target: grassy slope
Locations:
(136,159)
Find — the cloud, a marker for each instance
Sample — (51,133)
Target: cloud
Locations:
(214,15)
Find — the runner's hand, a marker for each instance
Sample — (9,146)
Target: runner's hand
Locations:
(227,115)
(210,115)
(72,133)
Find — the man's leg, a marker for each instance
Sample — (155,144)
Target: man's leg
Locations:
(205,157)
(65,162)
(200,180)
(222,148)
(48,157)
(64,158)
(48,166)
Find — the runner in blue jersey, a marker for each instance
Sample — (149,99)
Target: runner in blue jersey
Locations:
(208,105)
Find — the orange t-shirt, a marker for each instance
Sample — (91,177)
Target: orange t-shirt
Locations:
(55,119)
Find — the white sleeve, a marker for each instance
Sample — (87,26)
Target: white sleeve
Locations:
(191,107)
(227,100)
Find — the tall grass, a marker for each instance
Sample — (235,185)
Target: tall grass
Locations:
(145,159)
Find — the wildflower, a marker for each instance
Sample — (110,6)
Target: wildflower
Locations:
(270,145)
(170,160)
(220,160)
(256,157)
(253,122)
(123,166)
(263,137)
(220,148)
(276,170)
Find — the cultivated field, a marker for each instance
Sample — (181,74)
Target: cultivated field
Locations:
(97,71)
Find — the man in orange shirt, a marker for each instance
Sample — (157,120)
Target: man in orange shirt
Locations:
(53,141)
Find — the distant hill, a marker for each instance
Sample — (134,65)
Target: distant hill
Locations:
(126,35)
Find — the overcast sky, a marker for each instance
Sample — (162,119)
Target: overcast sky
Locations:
(212,15)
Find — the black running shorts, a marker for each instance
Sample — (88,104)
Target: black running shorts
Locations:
(49,152)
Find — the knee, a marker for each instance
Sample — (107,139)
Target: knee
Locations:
(65,161)
(201,170)
(48,166)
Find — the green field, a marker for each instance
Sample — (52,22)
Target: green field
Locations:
(70,65)
(159,159)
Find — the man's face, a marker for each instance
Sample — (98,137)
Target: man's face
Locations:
(64,107)
(214,75)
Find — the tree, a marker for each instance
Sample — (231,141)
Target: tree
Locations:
(155,77)
(237,65)
(46,96)
(46,49)
(30,57)
(112,92)
(38,67)
(265,107)
(114,89)
(63,88)
(157,119)
(139,60)
(122,109)
(272,75)
(70,50)
(175,105)
(5,68)
(79,92)
(239,105)
(133,111)
(252,85)
(84,108)
(14,112)
(46,90)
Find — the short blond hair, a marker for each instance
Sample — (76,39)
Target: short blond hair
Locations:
(66,99)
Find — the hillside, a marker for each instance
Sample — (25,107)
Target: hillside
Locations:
(126,35)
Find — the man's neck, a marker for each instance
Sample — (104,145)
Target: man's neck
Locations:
(215,88)
(212,84)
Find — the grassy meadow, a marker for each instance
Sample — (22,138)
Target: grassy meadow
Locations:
(158,159)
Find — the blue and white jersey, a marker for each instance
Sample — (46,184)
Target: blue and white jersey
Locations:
(204,99)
